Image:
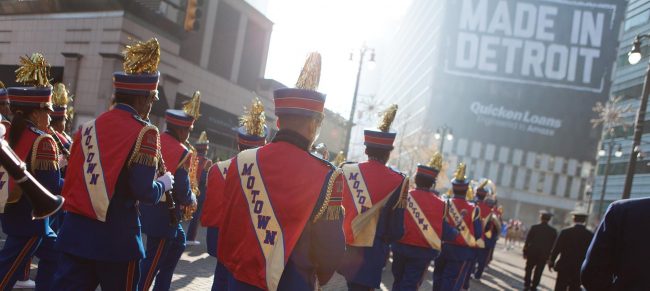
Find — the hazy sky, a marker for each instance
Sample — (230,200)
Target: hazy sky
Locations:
(334,28)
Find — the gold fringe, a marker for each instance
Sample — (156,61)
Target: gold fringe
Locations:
(45,165)
(39,164)
(143,159)
(328,194)
(334,212)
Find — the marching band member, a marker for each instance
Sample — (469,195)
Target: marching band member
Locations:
(281,229)
(424,229)
(28,138)
(112,168)
(251,134)
(491,227)
(372,192)
(204,164)
(165,235)
(5,109)
(453,263)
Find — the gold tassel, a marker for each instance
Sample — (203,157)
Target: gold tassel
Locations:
(254,119)
(33,71)
(387,118)
(459,175)
(193,107)
(60,95)
(334,212)
(310,74)
(436,161)
(142,57)
(203,138)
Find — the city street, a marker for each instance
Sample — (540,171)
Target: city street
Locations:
(195,272)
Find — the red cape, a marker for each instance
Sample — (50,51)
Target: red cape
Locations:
(172,151)
(294,180)
(212,212)
(381,181)
(433,209)
(117,131)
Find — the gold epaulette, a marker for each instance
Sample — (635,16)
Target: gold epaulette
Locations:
(147,147)
(331,209)
(45,154)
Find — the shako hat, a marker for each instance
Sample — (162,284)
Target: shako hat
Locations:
(140,75)
(4,98)
(185,118)
(431,169)
(202,143)
(381,137)
(460,183)
(303,99)
(60,99)
(33,72)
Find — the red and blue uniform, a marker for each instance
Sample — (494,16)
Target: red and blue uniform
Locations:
(454,261)
(371,193)
(282,225)
(116,156)
(166,242)
(424,229)
(211,217)
(24,235)
(490,235)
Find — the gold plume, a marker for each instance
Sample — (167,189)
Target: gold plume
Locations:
(203,138)
(193,107)
(470,194)
(436,161)
(254,119)
(2,85)
(60,95)
(340,159)
(388,116)
(70,112)
(142,57)
(483,184)
(459,175)
(310,74)
(33,71)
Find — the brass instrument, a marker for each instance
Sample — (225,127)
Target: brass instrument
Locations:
(193,172)
(43,202)
(169,198)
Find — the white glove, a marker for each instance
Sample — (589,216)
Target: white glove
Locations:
(167,180)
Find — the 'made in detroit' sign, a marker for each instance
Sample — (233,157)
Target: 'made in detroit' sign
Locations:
(557,43)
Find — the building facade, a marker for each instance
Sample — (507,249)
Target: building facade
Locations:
(514,84)
(224,59)
(627,83)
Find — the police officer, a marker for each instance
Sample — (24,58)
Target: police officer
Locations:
(251,134)
(282,224)
(165,235)
(571,245)
(109,173)
(203,166)
(453,263)
(618,256)
(31,107)
(537,248)
(424,229)
(372,192)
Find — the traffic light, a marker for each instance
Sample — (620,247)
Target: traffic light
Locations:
(192,15)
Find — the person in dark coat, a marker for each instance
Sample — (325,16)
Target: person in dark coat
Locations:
(537,248)
(618,256)
(571,245)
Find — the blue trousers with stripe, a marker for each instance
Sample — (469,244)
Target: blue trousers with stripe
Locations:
(451,267)
(162,257)
(81,274)
(15,254)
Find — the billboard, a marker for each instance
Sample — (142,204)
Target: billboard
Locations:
(525,74)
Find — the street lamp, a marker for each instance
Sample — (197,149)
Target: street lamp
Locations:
(371,64)
(634,56)
(601,153)
(446,132)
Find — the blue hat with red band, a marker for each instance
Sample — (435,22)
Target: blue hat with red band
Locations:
(382,138)
(482,191)
(202,143)
(185,118)
(304,99)
(33,71)
(427,172)
(60,100)
(140,75)
(253,131)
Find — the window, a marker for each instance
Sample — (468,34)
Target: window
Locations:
(637,20)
